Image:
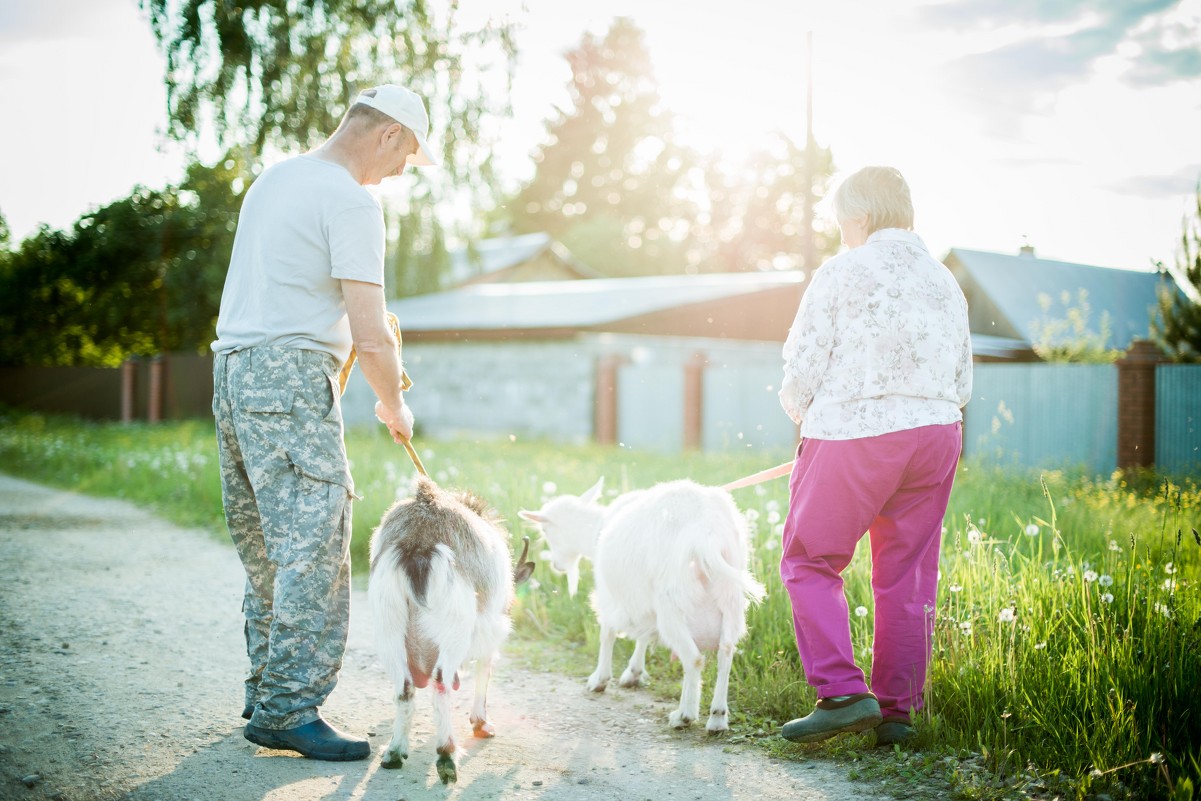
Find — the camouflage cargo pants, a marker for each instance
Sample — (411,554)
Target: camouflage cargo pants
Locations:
(287,491)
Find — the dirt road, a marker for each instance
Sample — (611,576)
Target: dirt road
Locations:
(120,678)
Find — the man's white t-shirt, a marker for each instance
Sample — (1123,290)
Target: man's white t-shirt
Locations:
(305,224)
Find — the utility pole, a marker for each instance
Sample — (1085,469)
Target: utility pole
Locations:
(808,246)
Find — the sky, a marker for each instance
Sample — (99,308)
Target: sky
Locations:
(1073,126)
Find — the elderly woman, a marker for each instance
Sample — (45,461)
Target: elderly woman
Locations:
(877,368)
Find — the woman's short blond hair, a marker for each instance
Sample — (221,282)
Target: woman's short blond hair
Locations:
(879,195)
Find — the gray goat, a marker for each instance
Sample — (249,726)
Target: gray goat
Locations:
(441,588)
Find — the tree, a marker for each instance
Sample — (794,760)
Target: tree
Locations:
(755,215)
(616,185)
(280,73)
(609,182)
(138,277)
(1176,322)
(1070,338)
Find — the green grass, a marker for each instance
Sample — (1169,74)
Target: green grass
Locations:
(1068,641)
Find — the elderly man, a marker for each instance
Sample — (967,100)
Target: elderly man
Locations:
(305,285)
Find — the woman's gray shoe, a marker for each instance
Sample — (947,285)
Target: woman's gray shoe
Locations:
(891,732)
(857,712)
(316,740)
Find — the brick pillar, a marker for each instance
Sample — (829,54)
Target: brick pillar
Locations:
(154,401)
(605,424)
(1136,404)
(694,391)
(129,372)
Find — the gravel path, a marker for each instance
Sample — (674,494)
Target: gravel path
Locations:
(121,662)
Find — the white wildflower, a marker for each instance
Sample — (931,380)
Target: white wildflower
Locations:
(1038,646)
(1113,545)
(1032,530)
(860,611)
(1090,576)
(966,627)
(955,588)
(1169,568)
(1008,615)
(1163,610)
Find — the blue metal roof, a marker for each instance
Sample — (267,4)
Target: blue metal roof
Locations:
(573,304)
(1015,284)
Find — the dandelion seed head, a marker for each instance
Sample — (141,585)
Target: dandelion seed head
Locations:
(773,505)
(1038,646)
(973,536)
(1107,597)
(1156,758)
(1090,576)
(550,488)
(1008,615)
(860,611)
(752,515)
(1105,580)
(1032,530)
(1095,773)
(773,516)
(966,627)
(1163,609)
(955,588)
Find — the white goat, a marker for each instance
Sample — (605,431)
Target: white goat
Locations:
(669,562)
(441,587)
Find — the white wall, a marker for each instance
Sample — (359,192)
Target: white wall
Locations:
(546,389)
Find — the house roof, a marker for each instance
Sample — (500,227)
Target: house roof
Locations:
(1007,293)
(489,256)
(592,304)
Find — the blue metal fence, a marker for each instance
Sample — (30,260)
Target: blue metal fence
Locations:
(1044,415)
(1178,418)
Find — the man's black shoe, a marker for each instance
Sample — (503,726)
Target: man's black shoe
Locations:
(316,740)
(248,712)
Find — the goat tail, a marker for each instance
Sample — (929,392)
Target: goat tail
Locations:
(736,581)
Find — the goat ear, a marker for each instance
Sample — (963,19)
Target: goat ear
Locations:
(524,568)
(594,491)
(533,517)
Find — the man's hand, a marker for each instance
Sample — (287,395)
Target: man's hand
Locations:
(399,421)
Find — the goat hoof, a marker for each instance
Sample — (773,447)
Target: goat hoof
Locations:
(446,769)
(631,679)
(393,760)
(597,685)
(483,729)
(718,722)
(679,720)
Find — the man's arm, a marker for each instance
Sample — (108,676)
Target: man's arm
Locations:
(378,355)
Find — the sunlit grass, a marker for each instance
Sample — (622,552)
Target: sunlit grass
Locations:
(1068,639)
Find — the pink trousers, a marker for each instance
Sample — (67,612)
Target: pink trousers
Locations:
(895,487)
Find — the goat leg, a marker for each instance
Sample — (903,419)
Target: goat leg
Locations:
(398,750)
(480,726)
(635,673)
(599,679)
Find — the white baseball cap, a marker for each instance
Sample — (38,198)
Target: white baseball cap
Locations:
(406,107)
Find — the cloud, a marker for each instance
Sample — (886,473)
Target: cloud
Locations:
(1059,45)
(1181,182)
(1170,53)
(26,20)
